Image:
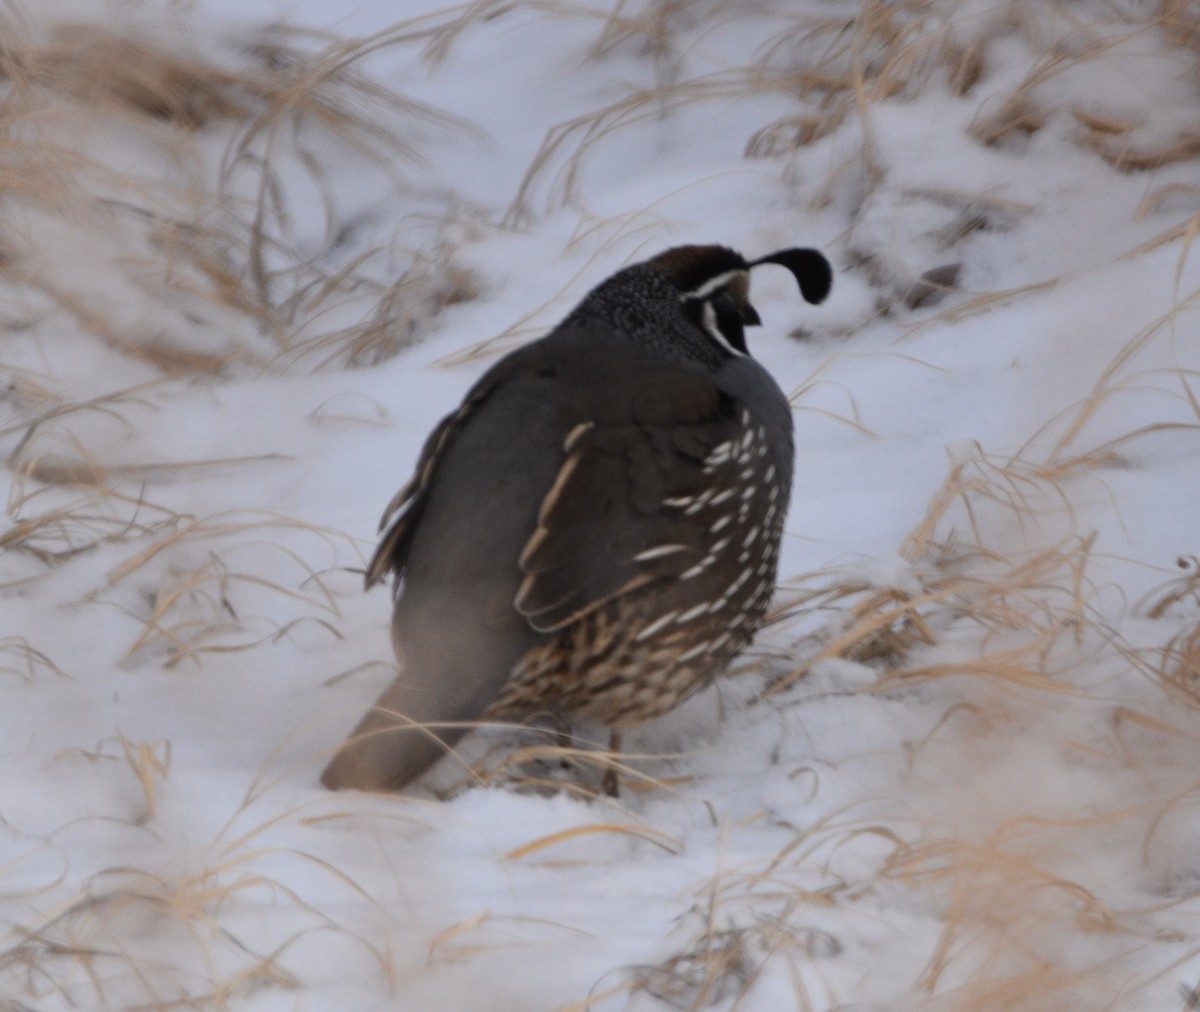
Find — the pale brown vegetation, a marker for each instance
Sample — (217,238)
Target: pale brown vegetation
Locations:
(986,565)
(213,228)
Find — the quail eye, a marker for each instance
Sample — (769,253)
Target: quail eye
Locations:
(723,303)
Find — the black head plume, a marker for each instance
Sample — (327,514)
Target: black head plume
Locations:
(810,268)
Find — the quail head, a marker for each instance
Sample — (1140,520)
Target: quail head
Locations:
(594,532)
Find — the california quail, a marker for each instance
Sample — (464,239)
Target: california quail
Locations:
(594,533)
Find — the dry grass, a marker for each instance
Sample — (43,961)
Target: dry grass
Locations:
(835,68)
(194,608)
(135,939)
(23,660)
(94,518)
(1020,604)
(994,563)
(831,85)
(217,231)
(201,226)
(1175,666)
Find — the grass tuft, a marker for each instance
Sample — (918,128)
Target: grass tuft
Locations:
(232,126)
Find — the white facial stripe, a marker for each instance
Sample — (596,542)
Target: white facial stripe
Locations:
(711,285)
(709,324)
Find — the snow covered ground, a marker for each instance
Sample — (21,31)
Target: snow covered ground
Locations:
(251,251)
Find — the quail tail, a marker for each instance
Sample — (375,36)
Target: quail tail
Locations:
(404,734)
(394,743)
(455,657)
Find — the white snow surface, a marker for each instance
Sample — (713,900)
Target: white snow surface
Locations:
(999,813)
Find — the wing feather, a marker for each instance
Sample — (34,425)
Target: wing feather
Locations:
(621,511)
(613,520)
(403,513)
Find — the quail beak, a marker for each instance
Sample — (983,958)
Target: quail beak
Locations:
(750,316)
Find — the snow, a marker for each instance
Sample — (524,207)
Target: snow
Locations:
(958,773)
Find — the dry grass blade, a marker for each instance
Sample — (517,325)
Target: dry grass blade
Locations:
(150,762)
(667,843)
(1183,590)
(441,35)
(1178,666)
(587,130)
(27,662)
(1129,159)
(1117,378)
(222,525)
